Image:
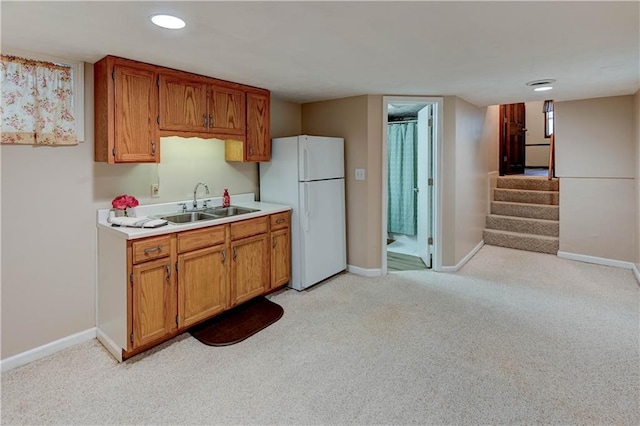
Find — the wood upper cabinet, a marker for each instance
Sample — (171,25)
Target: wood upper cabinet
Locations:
(226,110)
(257,146)
(153,305)
(196,106)
(249,268)
(126,112)
(183,104)
(203,284)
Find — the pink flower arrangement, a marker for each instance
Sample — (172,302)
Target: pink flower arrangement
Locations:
(123,201)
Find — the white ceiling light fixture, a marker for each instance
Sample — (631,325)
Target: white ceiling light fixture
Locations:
(168,21)
(541,85)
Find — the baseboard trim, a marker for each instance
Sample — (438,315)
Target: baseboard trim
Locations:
(109,344)
(596,260)
(636,272)
(45,350)
(364,272)
(464,259)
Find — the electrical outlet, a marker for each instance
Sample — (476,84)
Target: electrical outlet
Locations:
(155,190)
(359,174)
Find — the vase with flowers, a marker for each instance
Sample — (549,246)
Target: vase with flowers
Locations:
(123,205)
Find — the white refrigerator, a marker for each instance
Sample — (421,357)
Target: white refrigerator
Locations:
(307,173)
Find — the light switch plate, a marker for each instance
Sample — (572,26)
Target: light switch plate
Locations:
(359,174)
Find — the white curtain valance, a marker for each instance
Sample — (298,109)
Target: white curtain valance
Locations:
(36,102)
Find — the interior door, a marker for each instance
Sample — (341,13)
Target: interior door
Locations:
(424,165)
(512,139)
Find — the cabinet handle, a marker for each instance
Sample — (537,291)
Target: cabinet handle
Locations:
(168,273)
(211,120)
(224,256)
(153,148)
(250,149)
(235,253)
(205,120)
(274,242)
(152,249)
(280,221)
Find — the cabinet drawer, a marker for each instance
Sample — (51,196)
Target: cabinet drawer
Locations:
(152,248)
(199,238)
(279,221)
(247,228)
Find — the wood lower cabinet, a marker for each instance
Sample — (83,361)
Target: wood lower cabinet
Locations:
(280,225)
(126,109)
(203,281)
(177,280)
(280,257)
(249,268)
(153,306)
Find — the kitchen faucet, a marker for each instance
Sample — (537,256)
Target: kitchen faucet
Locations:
(195,190)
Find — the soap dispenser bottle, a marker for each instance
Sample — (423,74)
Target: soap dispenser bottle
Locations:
(226,199)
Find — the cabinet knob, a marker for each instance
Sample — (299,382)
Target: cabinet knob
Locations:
(153,147)
(235,253)
(210,120)
(205,120)
(224,256)
(274,242)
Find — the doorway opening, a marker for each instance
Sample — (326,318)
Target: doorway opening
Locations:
(410,222)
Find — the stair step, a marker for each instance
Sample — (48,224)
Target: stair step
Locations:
(523,225)
(526,196)
(531,183)
(533,211)
(520,241)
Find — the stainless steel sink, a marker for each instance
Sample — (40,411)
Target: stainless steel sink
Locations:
(188,217)
(229,211)
(206,214)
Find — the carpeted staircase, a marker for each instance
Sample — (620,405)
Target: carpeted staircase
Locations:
(525,214)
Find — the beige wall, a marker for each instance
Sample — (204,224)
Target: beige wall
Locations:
(491,137)
(596,166)
(636,123)
(471,179)
(535,156)
(349,118)
(359,121)
(50,197)
(285,118)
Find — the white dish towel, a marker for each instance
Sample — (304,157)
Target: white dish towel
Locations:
(136,222)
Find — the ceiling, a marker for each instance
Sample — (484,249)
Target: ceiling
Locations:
(483,52)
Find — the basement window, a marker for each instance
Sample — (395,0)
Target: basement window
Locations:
(548,118)
(42,99)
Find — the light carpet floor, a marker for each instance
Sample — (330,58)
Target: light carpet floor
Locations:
(514,337)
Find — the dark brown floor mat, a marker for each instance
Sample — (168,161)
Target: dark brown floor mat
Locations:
(238,323)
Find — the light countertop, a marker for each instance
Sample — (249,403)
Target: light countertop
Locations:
(240,200)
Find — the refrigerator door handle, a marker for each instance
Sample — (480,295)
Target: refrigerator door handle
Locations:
(305,152)
(307,210)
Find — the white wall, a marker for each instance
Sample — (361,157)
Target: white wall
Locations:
(596,164)
(50,197)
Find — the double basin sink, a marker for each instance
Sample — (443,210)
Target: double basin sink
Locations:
(206,214)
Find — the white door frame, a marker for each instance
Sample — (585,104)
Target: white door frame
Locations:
(438,112)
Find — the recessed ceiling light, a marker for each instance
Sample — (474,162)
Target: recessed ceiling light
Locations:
(542,89)
(168,21)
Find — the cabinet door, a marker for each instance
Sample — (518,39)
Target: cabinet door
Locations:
(153,305)
(258,144)
(249,268)
(183,104)
(280,258)
(226,110)
(202,284)
(136,111)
